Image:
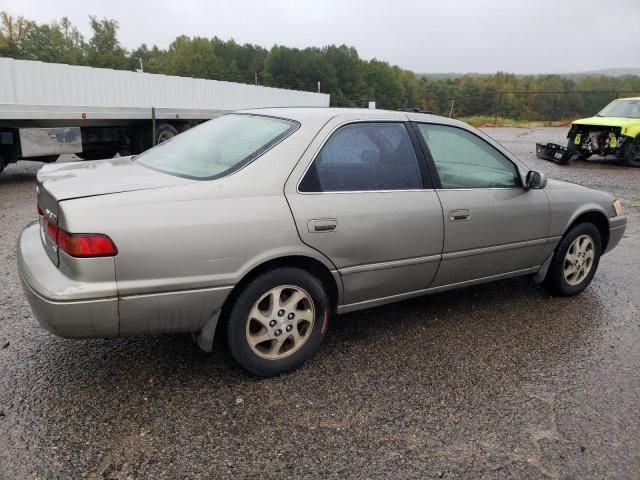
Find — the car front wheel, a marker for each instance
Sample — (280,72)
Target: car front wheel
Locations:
(277,321)
(575,261)
(631,153)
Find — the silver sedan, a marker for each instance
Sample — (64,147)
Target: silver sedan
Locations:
(269,222)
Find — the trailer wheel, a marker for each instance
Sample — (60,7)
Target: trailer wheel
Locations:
(632,154)
(165,132)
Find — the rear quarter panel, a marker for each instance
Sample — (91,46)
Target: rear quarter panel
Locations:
(199,235)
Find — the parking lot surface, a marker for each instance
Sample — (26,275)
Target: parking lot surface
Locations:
(493,381)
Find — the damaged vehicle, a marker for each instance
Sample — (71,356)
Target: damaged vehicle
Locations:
(615,131)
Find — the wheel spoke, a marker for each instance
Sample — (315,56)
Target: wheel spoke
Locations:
(259,316)
(297,338)
(581,244)
(570,268)
(293,300)
(276,345)
(304,317)
(275,301)
(259,338)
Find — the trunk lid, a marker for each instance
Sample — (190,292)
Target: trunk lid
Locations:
(64,181)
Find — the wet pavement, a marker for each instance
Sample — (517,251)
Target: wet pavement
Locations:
(494,381)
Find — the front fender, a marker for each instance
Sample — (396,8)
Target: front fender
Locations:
(569,201)
(584,209)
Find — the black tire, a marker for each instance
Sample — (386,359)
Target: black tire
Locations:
(555,280)
(632,154)
(238,317)
(165,132)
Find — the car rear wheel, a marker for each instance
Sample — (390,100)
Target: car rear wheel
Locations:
(277,321)
(575,261)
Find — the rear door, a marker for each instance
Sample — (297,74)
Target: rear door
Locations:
(362,197)
(492,225)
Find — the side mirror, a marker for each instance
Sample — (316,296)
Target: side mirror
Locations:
(535,180)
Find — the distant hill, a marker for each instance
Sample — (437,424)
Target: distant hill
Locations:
(606,72)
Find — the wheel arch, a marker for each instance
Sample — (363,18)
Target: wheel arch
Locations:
(597,218)
(330,279)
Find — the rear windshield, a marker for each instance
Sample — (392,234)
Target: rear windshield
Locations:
(218,147)
(622,108)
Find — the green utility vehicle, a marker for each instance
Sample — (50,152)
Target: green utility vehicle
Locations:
(614,131)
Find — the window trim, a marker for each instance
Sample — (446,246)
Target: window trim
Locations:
(433,167)
(425,171)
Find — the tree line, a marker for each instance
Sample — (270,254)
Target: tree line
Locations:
(351,80)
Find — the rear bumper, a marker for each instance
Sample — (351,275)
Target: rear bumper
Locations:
(617,227)
(72,309)
(50,294)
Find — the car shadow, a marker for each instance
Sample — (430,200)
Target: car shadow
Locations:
(509,317)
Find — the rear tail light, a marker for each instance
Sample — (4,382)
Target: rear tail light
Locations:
(81,245)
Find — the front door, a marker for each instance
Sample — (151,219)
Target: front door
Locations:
(492,225)
(362,202)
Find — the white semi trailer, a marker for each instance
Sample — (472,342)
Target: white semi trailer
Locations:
(49,109)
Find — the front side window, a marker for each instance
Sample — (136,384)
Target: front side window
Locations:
(365,157)
(463,160)
(218,147)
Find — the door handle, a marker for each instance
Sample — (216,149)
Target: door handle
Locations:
(462,215)
(322,225)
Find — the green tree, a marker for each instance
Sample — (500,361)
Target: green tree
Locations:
(299,69)
(193,57)
(58,42)
(104,49)
(351,89)
(12,33)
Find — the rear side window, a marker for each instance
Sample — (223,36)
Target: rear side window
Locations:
(463,160)
(217,147)
(365,157)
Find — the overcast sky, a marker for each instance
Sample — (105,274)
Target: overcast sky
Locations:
(521,36)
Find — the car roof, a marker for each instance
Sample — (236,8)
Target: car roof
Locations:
(302,114)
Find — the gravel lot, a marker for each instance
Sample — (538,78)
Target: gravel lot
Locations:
(494,381)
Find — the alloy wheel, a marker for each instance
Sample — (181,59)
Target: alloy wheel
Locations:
(579,259)
(280,322)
